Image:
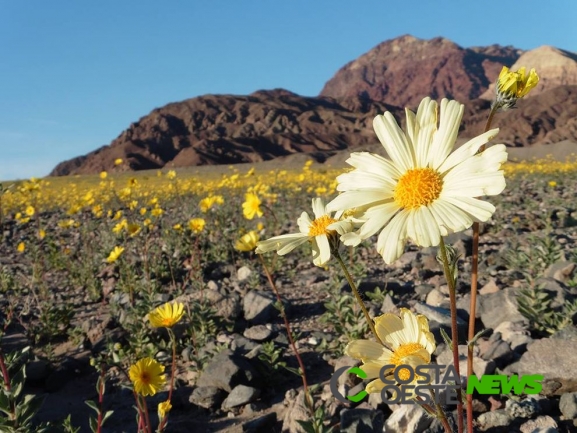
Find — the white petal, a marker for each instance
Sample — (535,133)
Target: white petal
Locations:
(391,241)
(341,227)
(351,199)
(410,325)
(372,163)
(394,141)
(373,368)
(318,207)
(376,218)
(444,139)
(427,126)
(351,239)
(304,222)
(366,350)
(283,243)
(479,210)
(388,327)
(357,179)
(422,227)
(467,150)
(321,250)
(450,218)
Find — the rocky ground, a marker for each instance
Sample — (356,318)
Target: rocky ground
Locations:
(530,245)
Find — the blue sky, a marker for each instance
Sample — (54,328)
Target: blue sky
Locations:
(74,74)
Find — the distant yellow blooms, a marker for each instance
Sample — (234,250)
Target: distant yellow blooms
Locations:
(21,247)
(115,254)
(30,211)
(196,225)
(552,183)
(208,202)
(118,161)
(103,175)
(171,174)
(251,206)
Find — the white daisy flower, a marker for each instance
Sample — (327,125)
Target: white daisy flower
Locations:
(423,191)
(321,231)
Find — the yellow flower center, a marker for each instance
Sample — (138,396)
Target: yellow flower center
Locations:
(418,187)
(319,226)
(399,355)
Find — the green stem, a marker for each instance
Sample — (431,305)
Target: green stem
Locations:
(356,293)
(454,332)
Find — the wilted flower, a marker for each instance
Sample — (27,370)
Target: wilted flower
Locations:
(408,342)
(167,315)
(163,409)
(147,376)
(512,86)
(423,191)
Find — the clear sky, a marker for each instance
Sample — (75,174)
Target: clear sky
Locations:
(74,74)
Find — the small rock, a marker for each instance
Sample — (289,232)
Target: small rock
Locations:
(436,299)
(555,359)
(496,418)
(407,418)
(490,287)
(515,333)
(243,273)
(497,350)
(541,424)
(225,371)
(259,306)
(37,371)
(527,408)
(240,394)
(561,271)
(261,424)
(568,405)
(388,305)
(207,396)
(361,421)
(296,410)
(480,366)
(258,333)
(496,306)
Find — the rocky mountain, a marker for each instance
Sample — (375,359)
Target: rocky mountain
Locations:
(228,129)
(402,71)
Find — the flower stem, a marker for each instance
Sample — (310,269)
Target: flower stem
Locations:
(473,305)
(454,333)
(440,414)
(356,293)
(308,397)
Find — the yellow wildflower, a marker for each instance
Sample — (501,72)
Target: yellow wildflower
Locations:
(103,175)
(147,376)
(21,247)
(251,206)
(163,409)
(196,225)
(247,242)
(512,86)
(115,254)
(167,315)
(118,161)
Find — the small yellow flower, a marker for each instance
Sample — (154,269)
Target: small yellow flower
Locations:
(103,175)
(117,215)
(133,229)
(163,409)
(552,183)
(41,234)
(120,226)
(65,224)
(115,254)
(147,376)
(251,206)
(247,242)
(171,174)
(177,227)
(21,247)
(142,211)
(196,225)
(167,315)
(512,86)
(118,161)
(30,211)
(156,212)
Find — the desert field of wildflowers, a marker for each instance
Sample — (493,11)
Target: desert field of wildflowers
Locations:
(156,289)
